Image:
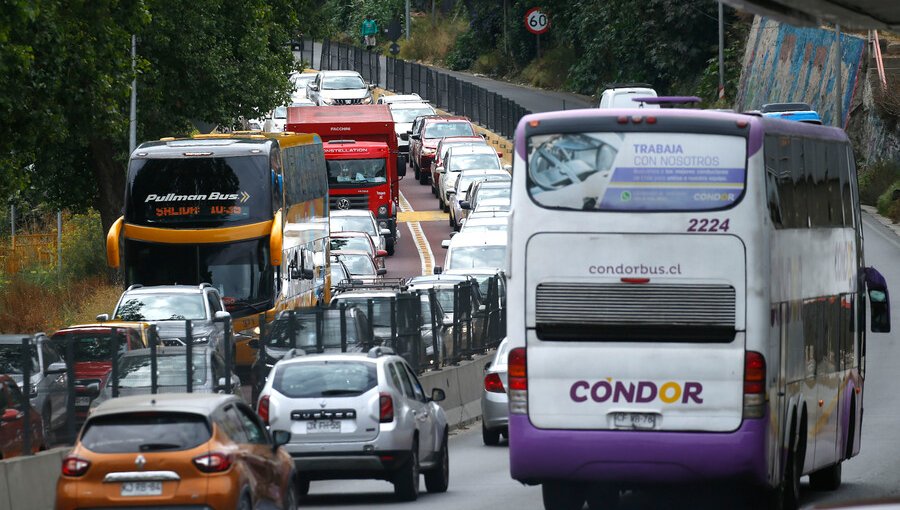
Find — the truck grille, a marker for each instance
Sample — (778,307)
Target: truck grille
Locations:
(609,311)
(349,202)
(348,101)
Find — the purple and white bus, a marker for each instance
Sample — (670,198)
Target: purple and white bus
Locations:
(686,303)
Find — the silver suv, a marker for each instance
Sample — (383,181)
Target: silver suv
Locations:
(358,415)
(170,306)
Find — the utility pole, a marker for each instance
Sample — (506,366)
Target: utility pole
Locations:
(721,51)
(408,26)
(838,79)
(132,117)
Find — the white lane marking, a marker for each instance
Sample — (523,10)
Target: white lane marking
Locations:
(426,257)
(879,228)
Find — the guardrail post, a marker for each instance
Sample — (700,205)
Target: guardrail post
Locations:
(457,325)
(26,389)
(394,335)
(189,356)
(292,329)
(320,331)
(370,311)
(343,308)
(154,340)
(437,349)
(228,354)
(418,353)
(114,342)
(70,389)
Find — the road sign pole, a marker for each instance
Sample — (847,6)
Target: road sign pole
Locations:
(537,39)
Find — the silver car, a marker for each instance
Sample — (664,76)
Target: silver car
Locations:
(48,390)
(494,400)
(357,416)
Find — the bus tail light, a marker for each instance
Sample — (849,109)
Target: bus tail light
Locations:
(517,380)
(754,385)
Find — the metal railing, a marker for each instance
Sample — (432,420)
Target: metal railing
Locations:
(488,109)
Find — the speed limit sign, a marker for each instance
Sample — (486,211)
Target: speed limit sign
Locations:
(536,21)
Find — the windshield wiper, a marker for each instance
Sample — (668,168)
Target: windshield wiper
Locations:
(146,447)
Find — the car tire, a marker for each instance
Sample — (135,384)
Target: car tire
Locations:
(562,496)
(445,206)
(438,479)
(290,497)
(416,171)
(245,503)
(490,437)
(301,485)
(406,481)
(423,177)
(389,247)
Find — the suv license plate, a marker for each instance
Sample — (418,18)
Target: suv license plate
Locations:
(141,489)
(82,401)
(635,420)
(316,427)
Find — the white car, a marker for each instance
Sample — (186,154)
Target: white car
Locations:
(464,157)
(358,220)
(359,415)
(404,113)
(459,193)
(622,96)
(276,120)
(495,223)
(400,98)
(332,88)
(299,82)
(474,251)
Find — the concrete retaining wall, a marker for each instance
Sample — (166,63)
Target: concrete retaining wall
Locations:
(29,483)
(784,63)
(463,384)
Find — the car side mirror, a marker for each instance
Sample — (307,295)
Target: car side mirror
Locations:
(415,137)
(222,316)
(56,368)
(9,415)
(404,136)
(445,243)
(253,344)
(381,253)
(280,438)
(508,168)
(453,233)
(879,301)
(103,317)
(464,204)
(313,86)
(438,395)
(437,269)
(221,385)
(487,366)
(381,271)
(385,231)
(371,86)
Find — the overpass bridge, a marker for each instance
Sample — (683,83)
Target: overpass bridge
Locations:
(858,14)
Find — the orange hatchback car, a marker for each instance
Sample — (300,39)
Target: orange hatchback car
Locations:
(196,451)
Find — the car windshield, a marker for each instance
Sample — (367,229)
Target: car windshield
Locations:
(304,330)
(343,83)
(459,162)
(407,115)
(88,346)
(161,307)
(464,180)
(171,369)
(145,432)
(318,379)
(445,129)
(11,359)
(353,224)
(358,264)
(338,274)
(486,193)
(280,112)
(351,243)
(355,172)
(445,146)
(381,308)
(468,257)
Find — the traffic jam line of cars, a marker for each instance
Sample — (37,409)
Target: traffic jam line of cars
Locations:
(150,436)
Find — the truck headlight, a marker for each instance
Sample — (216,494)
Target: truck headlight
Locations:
(428,152)
(382,210)
(327,100)
(367,100)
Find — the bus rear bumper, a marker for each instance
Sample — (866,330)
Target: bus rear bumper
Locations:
(637,458)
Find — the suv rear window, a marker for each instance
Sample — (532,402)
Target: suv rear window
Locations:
(316,379)
(145,432)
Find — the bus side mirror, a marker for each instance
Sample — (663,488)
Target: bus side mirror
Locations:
(879,301)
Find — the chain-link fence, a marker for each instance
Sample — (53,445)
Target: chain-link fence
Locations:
(460,97)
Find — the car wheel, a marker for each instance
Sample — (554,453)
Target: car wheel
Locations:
(302,487)
(290,497)
(445,206)
(452,221)
(562,496)
(423,177)
(245,503)
(389,247)
(416,171)
(490,437)
(406,484)
(438,479)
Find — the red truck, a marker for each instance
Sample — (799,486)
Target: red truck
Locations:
(364,164)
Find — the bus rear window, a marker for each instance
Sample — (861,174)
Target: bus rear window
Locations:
(636,171)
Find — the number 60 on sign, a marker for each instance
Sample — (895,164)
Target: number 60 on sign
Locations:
(536,21)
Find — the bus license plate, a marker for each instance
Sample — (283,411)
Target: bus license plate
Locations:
(141,489)
(319,426)
(635,420)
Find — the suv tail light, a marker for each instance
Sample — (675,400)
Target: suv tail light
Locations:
(386,408)
(262,408)
(517,379)
(493,384)
(74,466)
(754,385)
(213,462)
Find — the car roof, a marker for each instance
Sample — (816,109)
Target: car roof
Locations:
(409,104)
(494,184)
(339,73)
(447,118)
(14,339)
(478,239)
(342,356)
(476,172)
(351,252)
(168,289)
(103,326)
(351,212)
(471,149)
(193,403)
(350,233)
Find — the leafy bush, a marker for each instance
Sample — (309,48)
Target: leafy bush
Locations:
(888,205)
(84,246)
(465,51)
(431,43)
(550,71)
(875,179)
(493,63)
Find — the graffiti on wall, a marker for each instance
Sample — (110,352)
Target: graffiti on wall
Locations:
(785,64)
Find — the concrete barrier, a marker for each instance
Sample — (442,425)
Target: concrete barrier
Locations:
(29,483)
(462,384)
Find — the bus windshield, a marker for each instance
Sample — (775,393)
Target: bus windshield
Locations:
(356,172)
(636,171)
(239,270)
(198,191)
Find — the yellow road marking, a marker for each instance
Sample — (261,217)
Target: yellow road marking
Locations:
(415,229)
(422,216)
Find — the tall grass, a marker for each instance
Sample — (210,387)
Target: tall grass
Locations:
(29,304)
(431,43)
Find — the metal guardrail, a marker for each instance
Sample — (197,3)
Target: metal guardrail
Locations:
(489,109)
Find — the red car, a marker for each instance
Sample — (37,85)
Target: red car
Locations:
(427,132)
(13,406)
(93,357)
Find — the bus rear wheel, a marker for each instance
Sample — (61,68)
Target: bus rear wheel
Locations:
(826,479)
(562,496)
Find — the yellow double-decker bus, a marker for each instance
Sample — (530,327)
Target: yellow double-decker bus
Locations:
(247,213)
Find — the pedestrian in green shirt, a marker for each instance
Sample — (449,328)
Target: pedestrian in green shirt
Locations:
(369,29)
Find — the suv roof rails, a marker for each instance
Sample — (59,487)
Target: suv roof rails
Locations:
(398,284)
(132,287)
(379,351)
(626,85)
(205,285)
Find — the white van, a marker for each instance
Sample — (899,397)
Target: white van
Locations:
(622,96)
